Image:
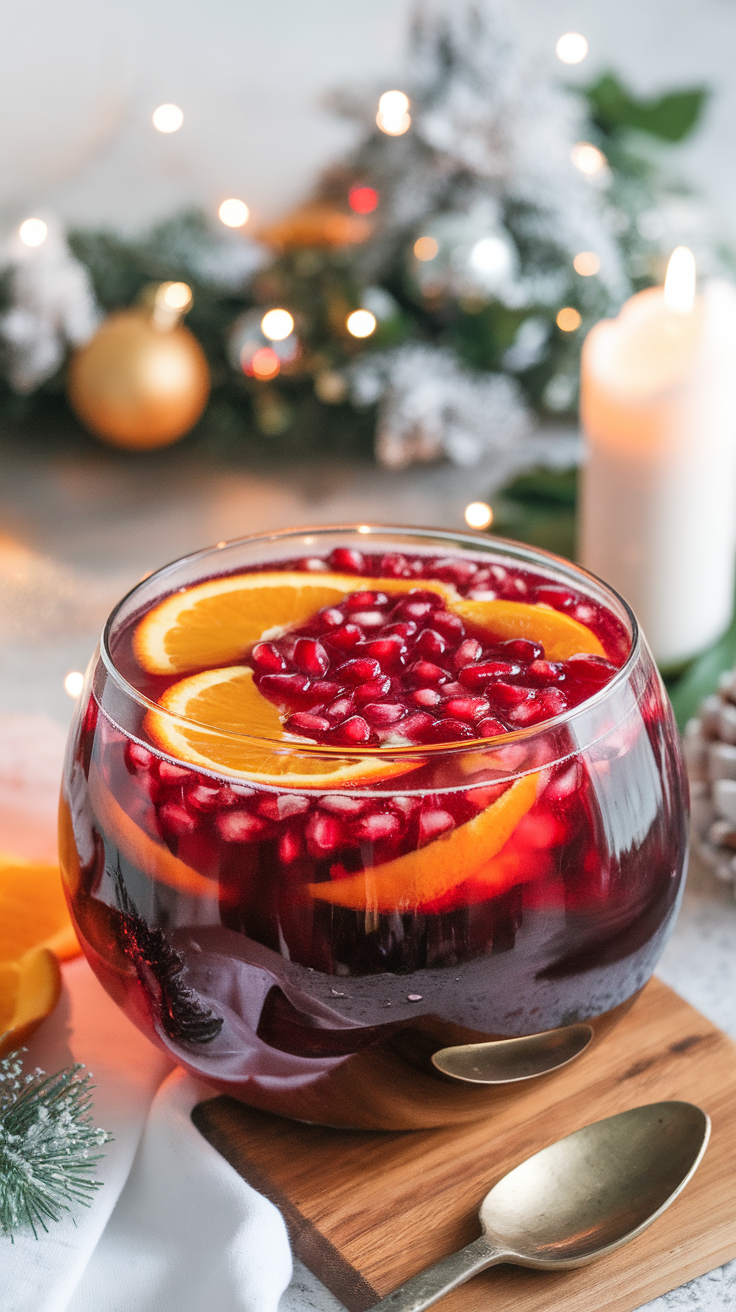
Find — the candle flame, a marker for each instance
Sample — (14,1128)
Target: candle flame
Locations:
(679,285)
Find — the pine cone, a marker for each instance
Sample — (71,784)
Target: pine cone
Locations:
(709,747)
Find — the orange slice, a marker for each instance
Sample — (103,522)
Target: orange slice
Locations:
(33,910)
(560,635)
(228,700)
(29,991)
(215,623)
(420,877)
(152,858)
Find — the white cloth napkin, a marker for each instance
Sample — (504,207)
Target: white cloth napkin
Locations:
(174,1228)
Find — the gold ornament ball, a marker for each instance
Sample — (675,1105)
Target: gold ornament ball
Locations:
(136,385)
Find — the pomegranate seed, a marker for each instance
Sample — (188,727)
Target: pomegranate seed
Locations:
(359,671)
(368,619)
(339,709)
(169,773)
(566,783)
(405,629)
(521,649)
(290,846)
(477,677)
(330,618)
(373,828)
(552,701)
(405,806)
(282,806)
(542,673)
(204,797)
(467,653)
(413,610)
(489,728)
(267,658)
(311,658)
(482,594)
(347,559)
(138,758)
(240,826)
(322,690)
(557,598)
(452,570)
(383,713)
(506,695)
(434,823)
(425,697)
(415,725)
(289,688)
(372,690)
(584,613)
(176,819)
(340,804)
(353,732)
(346,637)
(431,643)
(466,708)
(389,652)
(446,731)
(312,563)
(427,673)
(592,670)
(365,601)
(528,712)
(311,725)
(513,589)
(449,625)
(395,566)
(498,573)
(323,833)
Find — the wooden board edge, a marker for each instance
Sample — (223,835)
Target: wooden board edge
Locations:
(307,1242)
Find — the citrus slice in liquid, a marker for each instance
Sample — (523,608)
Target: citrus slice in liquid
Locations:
(560,634)
(224,705)
(214,623)
(418,878)
(29,991)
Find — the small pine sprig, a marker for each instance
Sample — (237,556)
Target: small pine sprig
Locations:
(46,1135)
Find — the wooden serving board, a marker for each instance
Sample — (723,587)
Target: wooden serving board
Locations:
(365,1210)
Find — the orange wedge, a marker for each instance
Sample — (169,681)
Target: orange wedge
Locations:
(29,991)
(153,858)
(33,910)
(228,700)
(560,635)
(417,878)
(216,622)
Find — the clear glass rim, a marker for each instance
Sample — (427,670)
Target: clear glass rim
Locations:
(488,542)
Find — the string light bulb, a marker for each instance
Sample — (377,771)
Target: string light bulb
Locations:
(277,325)
(571,48)
(393,115)
(679,284)
(588,159)
(587,263)
(568,319)
(478,515)
(425,248)
(233,213)
(361,323)
(33,232)
(73,683)
(167,118)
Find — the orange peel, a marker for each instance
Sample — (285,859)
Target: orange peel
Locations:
(560,634)
(33,910)
(417,878)
(29,991)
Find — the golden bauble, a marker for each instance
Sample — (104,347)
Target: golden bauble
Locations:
(136,385)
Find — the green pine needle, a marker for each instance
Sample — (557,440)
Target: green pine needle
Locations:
(46,1134)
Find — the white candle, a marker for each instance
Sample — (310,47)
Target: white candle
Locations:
(658,502)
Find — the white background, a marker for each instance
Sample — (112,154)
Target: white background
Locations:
(80,79)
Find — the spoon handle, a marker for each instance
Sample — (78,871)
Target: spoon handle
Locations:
(435,1281)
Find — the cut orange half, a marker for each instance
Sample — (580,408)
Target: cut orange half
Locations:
(225,704)
(560,635)
(214,623)
(29,991)
(417,878)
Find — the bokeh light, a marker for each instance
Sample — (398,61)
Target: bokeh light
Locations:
(572,48)
(363,200)
(73,683)
(393,115)
(568,319)
(589,159)
(276,325)
(679,284)
(361,323)
(425,248)
(176,295)
(478,514)
(264,364)
(33,232)
(586,263)
(234,213)
(167,118)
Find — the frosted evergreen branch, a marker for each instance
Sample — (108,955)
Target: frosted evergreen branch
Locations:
(46,1137)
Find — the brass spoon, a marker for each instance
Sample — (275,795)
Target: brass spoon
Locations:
(503,1061)
(575,1201)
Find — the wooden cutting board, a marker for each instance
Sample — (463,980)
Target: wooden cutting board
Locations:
(365,1210)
